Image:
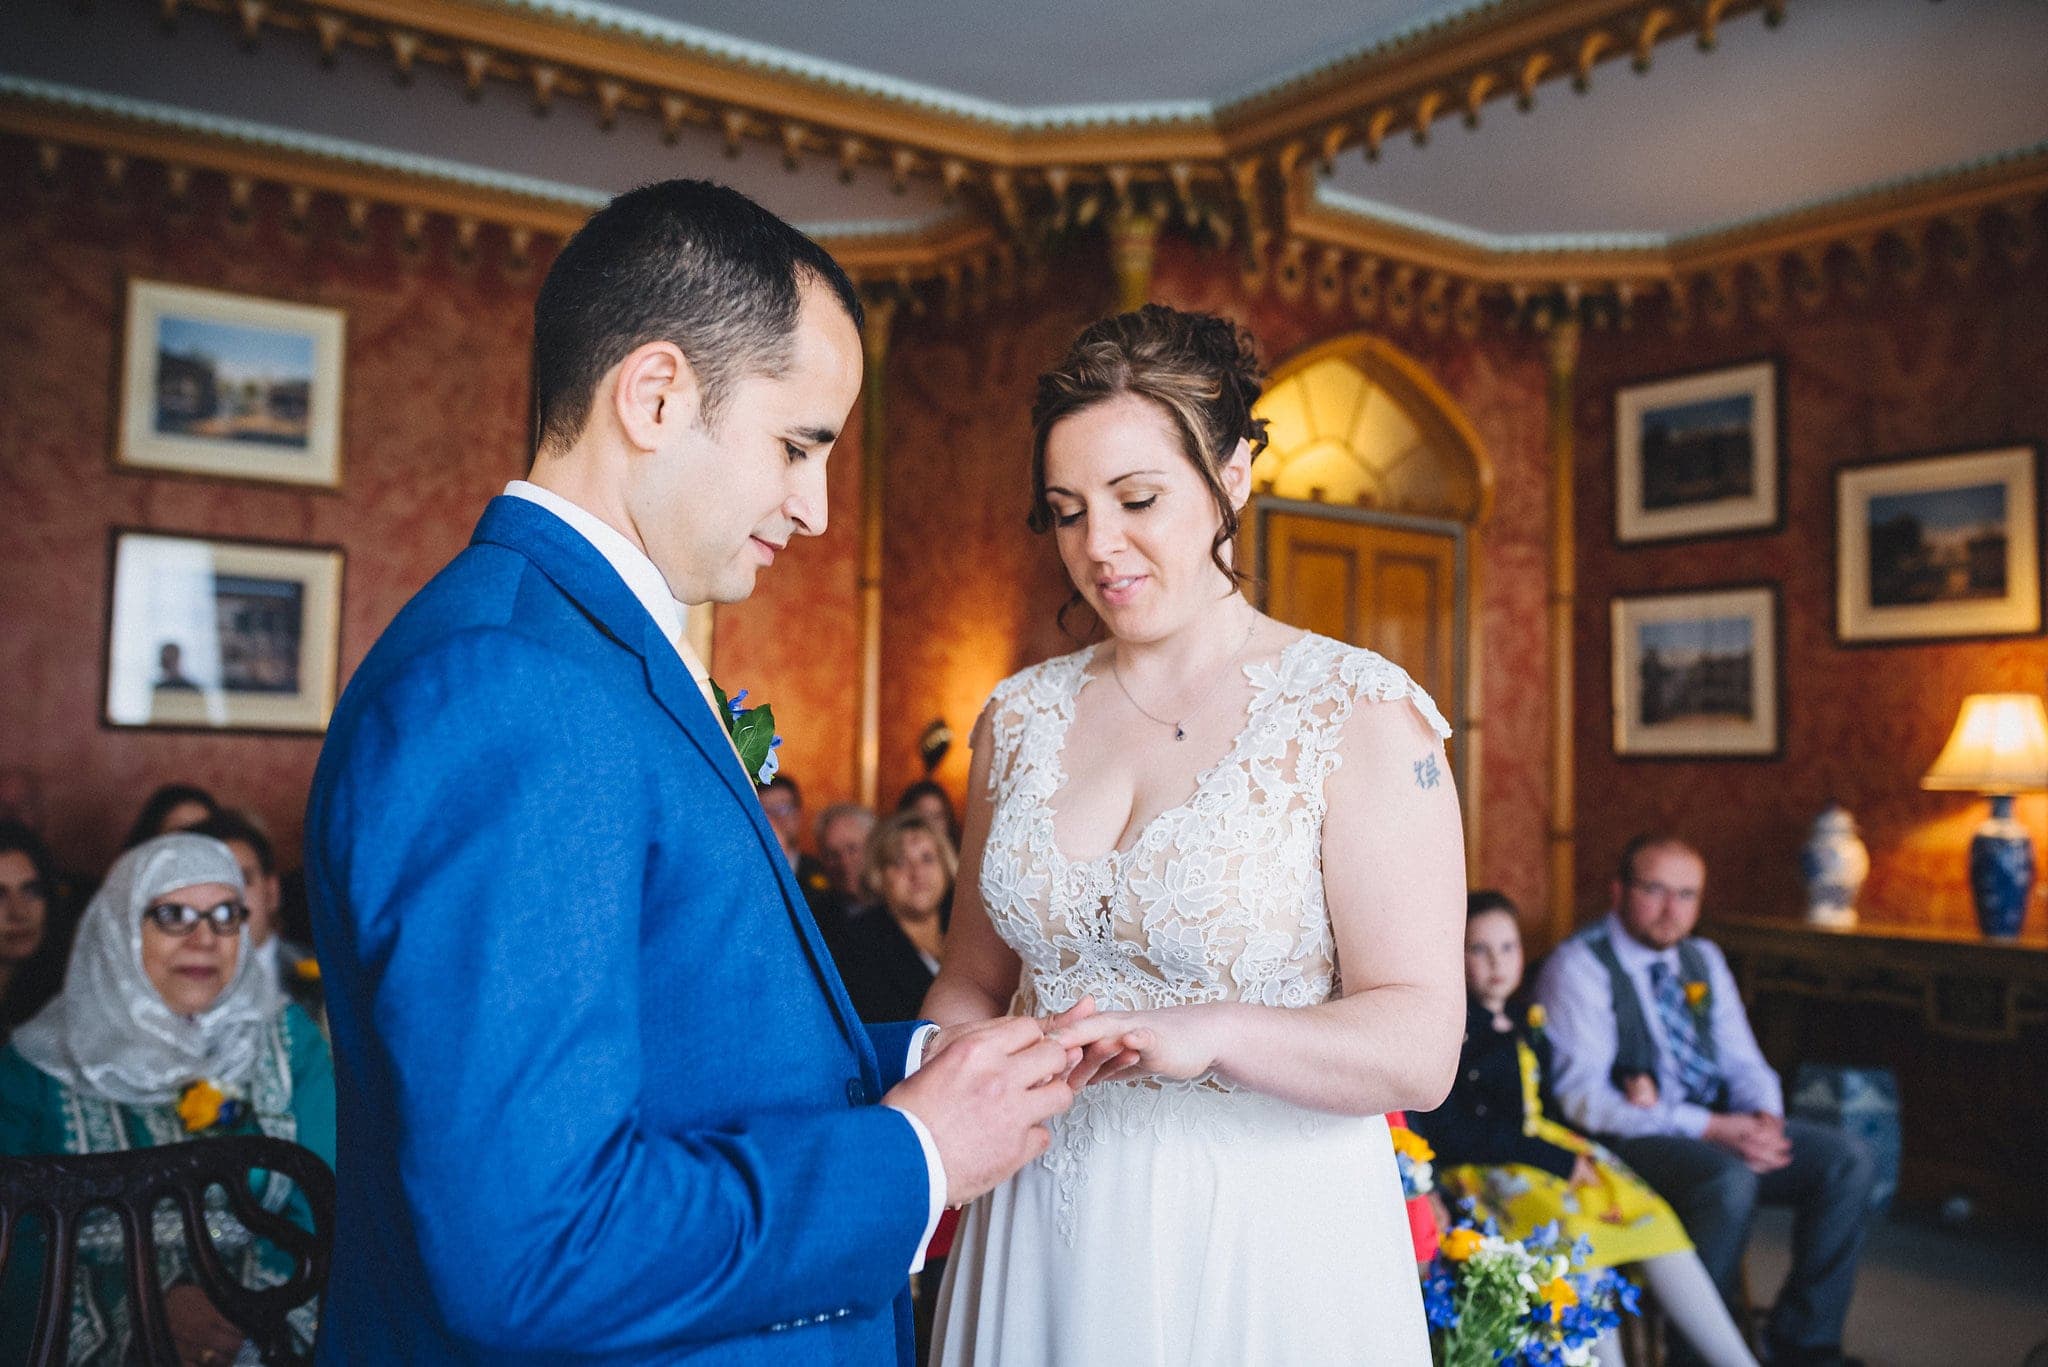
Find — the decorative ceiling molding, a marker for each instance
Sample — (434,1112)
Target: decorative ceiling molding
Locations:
(1243,174)
(1030,166)
(959,250)
(1402,265)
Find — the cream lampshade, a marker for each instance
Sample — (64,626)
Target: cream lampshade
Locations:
(1999,747)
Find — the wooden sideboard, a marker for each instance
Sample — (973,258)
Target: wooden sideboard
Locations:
(1962,1021)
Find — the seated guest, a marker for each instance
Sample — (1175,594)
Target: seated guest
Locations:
(1638,994)
(289,964)
(1498,1147)
(34,933)
(890,956)
(162,1033)
(930,801)
(173,807)
(783,801)
(843,831)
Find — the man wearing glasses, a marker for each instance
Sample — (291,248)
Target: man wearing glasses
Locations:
(1654,1054)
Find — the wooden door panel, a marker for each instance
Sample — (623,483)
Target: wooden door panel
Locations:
(1389,589)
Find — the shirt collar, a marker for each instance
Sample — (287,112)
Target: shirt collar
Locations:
(631,563)
(1633,953)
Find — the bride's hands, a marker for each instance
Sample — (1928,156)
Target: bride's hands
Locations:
(1179,1043)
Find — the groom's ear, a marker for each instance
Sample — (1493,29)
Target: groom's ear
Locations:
(653,389)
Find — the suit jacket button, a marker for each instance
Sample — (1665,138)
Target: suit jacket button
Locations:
(857,1093)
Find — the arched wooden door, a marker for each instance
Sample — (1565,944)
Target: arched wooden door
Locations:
(1368,498)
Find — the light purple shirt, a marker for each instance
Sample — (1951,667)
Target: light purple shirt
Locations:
(1578,997)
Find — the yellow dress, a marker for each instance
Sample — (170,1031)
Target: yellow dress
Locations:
(1623,1219)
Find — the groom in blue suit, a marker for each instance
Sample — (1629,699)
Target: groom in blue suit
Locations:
(602,1098)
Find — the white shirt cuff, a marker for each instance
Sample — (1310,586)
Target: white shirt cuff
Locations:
(918,1038)
(936,1172)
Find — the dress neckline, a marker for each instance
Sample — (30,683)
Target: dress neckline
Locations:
(1071,694)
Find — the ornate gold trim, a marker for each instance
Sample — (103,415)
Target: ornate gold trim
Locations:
(1241,175)
(964,254)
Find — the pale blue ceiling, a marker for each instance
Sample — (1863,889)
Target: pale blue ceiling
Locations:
(1845,95)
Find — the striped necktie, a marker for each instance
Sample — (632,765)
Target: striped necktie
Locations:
(1700,1074)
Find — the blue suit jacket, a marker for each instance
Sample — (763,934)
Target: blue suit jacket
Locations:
(601,1095)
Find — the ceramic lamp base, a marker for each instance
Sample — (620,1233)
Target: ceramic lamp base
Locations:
(2001,871)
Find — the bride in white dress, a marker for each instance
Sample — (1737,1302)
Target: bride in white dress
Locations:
(1237,841)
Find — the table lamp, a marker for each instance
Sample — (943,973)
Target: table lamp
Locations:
(1999,748)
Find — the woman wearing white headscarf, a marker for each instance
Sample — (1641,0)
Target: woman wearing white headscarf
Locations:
(165,1031)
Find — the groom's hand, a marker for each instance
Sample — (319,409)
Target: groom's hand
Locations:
(986,1098)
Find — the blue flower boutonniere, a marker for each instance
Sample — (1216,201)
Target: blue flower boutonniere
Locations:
(753,733)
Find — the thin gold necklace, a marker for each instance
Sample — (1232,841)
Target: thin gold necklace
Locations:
(1180,727)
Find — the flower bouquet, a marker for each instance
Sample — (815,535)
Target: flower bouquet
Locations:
(1526,1303)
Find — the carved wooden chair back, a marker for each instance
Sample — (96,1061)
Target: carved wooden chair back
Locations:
(62,1189)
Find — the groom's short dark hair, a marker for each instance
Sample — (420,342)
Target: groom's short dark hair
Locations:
(684,261)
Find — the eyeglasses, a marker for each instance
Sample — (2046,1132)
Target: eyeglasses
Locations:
(175,918)
(1661,891)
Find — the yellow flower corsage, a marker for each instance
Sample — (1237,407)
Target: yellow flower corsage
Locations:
(307,970)
(1538,1017)
(204,1105)
(1698,997)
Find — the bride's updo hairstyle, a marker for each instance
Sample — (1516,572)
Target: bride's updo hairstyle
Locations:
(1197,368)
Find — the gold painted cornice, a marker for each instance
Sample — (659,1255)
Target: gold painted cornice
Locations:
(1241,176)
(1506,52)
(958,250)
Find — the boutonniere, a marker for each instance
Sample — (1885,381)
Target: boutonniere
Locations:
(1700,998)
(206,1105)
(1538,1017)
(307,970)
(753,733)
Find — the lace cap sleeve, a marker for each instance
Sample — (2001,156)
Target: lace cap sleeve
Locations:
(1375,678)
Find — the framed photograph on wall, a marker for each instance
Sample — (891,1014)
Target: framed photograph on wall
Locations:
(230,385)
(221,635)
(1696,674)
(1697,455)
(1939,547)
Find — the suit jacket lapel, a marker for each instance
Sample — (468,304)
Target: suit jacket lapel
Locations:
(574,566)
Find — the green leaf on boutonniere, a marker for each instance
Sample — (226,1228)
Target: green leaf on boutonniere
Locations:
(753,733)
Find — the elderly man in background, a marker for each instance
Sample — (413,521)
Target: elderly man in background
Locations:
(1655,1055)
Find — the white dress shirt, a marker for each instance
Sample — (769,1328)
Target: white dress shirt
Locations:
(645,580)
(1578,999)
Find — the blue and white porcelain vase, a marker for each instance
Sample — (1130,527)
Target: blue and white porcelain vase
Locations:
(1835,863)
(2001,871)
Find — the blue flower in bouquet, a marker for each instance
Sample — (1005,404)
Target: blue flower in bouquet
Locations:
(1498,1302)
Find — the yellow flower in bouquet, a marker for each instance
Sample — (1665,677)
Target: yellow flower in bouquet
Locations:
(199,1106)
(1461,1244)
(1559,1295)
(1410,1144)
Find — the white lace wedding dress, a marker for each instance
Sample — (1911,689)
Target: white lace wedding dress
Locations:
(1190,1223)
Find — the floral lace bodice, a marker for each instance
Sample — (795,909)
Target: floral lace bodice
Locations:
(1218,899)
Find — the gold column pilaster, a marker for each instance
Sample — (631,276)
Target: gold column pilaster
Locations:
(1133,251)
(1563,354)
(874,338)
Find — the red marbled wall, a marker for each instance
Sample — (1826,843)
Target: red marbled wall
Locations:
(971,595)
(1943,366)
(434,423)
